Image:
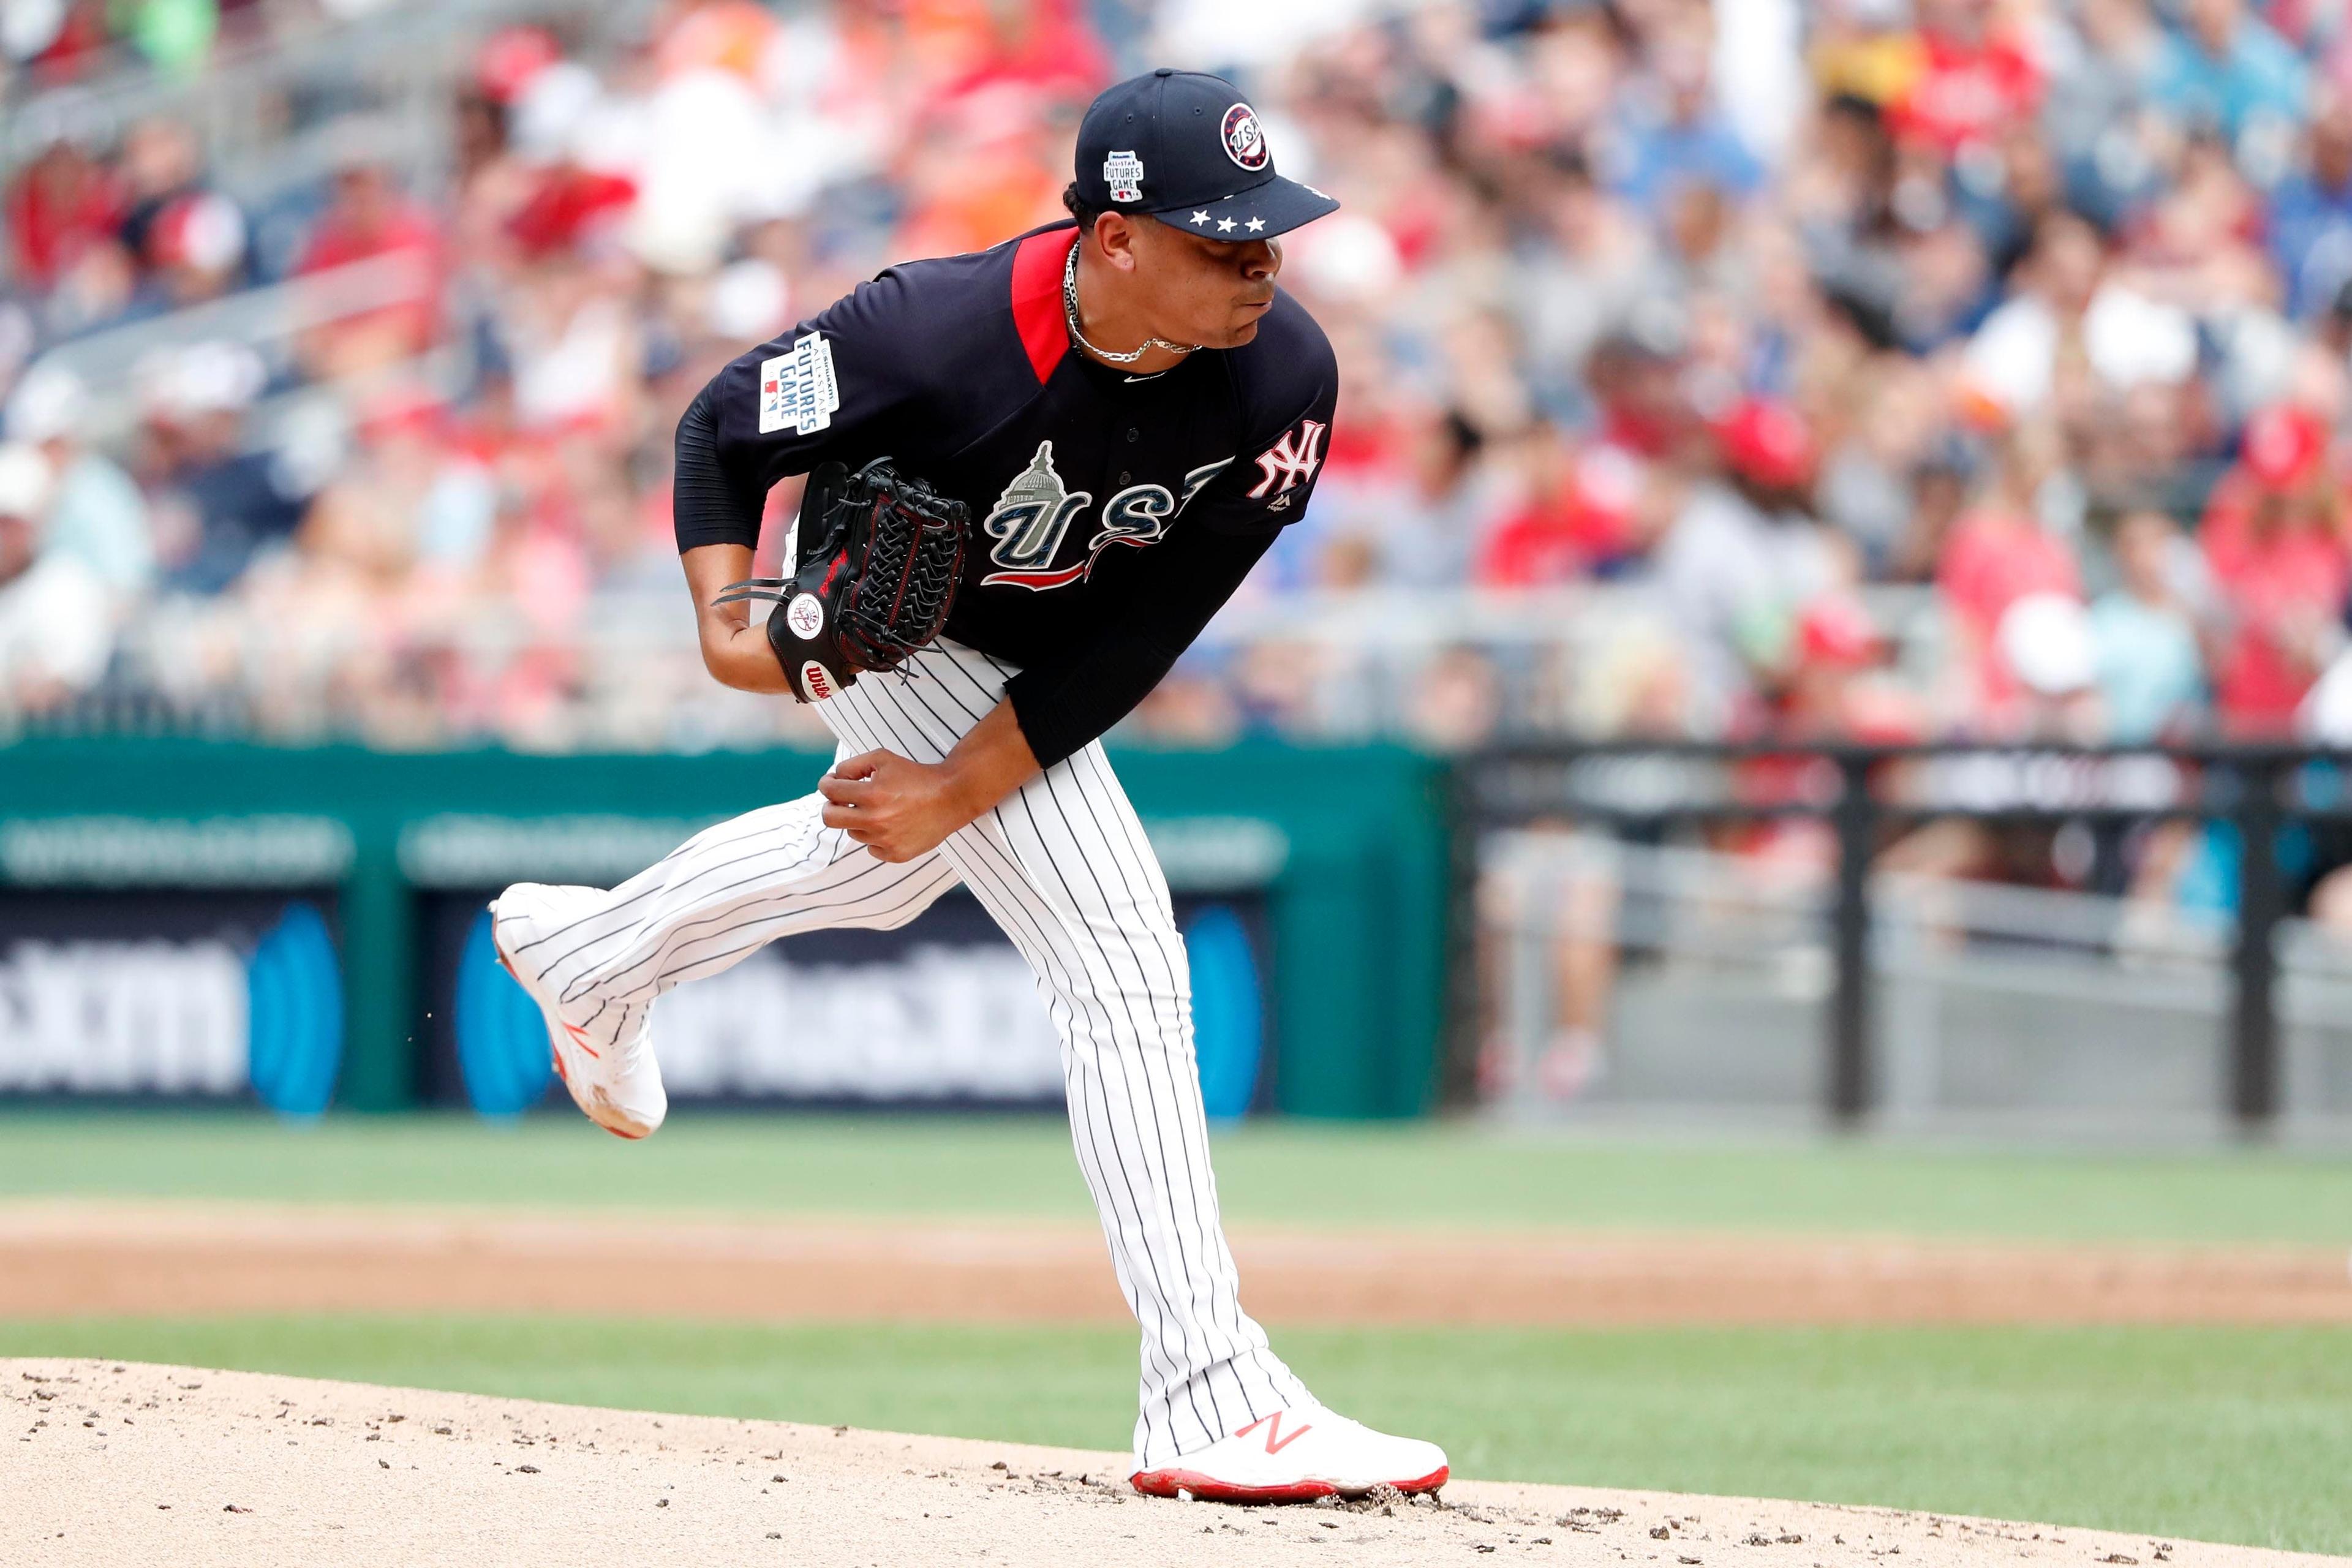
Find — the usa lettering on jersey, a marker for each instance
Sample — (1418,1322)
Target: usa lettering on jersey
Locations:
(1290,461)
(1028,523)
(798,390)
(1034,515)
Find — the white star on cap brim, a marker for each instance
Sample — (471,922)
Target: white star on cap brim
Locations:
(1256,224)
(1224,225)
(1199,217)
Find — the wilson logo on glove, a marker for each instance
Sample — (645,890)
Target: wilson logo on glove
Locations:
(881,554)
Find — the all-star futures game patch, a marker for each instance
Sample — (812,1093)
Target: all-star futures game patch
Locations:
(1124,173)
(798,389)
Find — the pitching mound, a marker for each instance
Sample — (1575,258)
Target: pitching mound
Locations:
(118,1464)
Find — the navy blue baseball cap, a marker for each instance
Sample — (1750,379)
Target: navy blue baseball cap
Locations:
(1186,147)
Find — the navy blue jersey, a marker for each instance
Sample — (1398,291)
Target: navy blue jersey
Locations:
(1113,514)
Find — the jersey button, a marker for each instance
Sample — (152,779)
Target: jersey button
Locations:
(1125,477)
(1133,433)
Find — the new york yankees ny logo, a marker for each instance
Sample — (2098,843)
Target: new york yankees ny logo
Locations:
(1289,461)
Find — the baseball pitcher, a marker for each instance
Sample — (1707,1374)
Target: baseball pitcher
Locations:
(1035,473)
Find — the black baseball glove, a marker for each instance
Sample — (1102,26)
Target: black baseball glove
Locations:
(880,556)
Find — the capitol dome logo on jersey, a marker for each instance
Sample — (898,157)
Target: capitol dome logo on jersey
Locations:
(1245,139)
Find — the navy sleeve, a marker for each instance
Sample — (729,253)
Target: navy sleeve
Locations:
(840,384)
(706,506)
(1287,421)
(1073,700)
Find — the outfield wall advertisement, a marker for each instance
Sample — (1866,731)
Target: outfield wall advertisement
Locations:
(307,929)
(942,1011)
(147,958)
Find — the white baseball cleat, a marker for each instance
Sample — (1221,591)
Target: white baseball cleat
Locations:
(1297,1455)
(618,1085)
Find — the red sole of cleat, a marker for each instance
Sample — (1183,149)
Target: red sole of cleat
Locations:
(553,1057)
(1168,1483)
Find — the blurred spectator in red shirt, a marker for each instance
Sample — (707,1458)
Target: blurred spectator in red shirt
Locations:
(1578,520)
(2274,538)
(1974,79)
(368,220)
(1839,686)
(1636,376)
(1999,552)
(63,203)
(1049,45)
(565,205)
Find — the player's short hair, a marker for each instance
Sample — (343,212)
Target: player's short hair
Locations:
(1076,205)
(1079,208)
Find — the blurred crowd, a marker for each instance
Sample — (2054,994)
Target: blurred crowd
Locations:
(1888,369)
(55,43)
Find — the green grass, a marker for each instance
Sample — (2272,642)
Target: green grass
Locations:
(2236,1435)
(2241,1435)
(1022,1167)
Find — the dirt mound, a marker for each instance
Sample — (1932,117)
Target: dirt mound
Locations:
(65,1258)
(115,1464)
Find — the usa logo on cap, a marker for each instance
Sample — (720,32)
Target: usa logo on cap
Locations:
(1245,141)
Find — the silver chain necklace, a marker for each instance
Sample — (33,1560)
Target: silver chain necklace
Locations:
(1070,313)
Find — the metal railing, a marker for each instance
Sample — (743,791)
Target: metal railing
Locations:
(269,321)
(258,98)
(1893,998)
(1364,655)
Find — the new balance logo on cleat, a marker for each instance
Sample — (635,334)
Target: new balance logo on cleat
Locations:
(1274,1442)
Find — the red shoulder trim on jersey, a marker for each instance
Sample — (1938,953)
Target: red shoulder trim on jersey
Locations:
(1037,297)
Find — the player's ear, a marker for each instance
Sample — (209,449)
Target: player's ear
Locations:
(1115,236)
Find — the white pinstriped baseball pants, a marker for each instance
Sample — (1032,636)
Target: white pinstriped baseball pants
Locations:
(1064,867)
